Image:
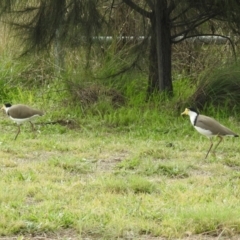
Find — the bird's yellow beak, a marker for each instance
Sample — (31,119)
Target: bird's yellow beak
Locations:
(185,112)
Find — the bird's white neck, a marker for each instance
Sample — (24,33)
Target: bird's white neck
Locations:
(6,109)
(193,116)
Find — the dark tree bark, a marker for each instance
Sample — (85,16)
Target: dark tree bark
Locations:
(160,77)
(59,50)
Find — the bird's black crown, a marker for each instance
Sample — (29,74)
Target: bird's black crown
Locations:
(193,110)
(7,105)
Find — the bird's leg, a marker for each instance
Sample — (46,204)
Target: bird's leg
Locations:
(17,132)
(221,138)
(33,129)
(209,148)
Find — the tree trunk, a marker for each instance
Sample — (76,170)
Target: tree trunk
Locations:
(59,49)
(160,78)
(59,54)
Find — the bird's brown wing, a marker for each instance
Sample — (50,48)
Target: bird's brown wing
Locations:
(214,126)
(22,111)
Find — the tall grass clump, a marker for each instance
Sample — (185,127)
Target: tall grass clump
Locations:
(219,89)
(113,99)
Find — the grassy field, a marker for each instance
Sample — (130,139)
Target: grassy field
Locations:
(102,171)
(94,180)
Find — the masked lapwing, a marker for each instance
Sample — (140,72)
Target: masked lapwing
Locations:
(208,127)
(20,113)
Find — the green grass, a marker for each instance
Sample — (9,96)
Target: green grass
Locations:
(128,171)
(115,172)
(112,182)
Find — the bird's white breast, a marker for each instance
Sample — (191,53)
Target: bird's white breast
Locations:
(205,132)
(21,120)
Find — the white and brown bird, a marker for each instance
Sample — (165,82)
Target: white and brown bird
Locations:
(20,113)
(208,126)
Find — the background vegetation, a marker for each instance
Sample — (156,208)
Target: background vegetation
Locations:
(108,163)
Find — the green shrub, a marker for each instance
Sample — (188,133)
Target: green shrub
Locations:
(219,89)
